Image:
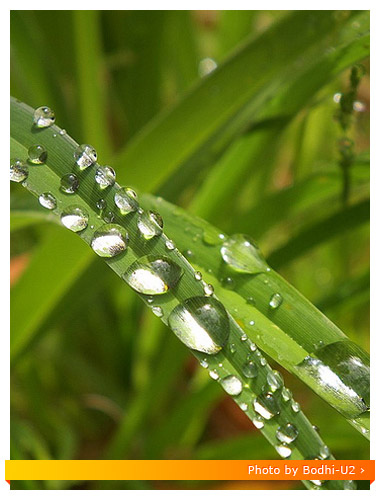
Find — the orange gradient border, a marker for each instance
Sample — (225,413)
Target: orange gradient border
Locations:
(188,469)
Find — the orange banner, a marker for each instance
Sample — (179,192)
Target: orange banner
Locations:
(189,469)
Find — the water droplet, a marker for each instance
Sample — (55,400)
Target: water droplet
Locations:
(316,428)
(203,363)
(243,337)
(275,301)
(263,361)
(47,200)
(250,369)
(74,218)
(109,240)
(201,323)
(232,348)
(296,406)
(150,224)
(287,433)
(266,405)
(232,385)
(349,485)
(69,183)
(258,421)
(359,106)
(251,301)
(206,66)
(105,176)
(208,289)
(43,117)
(153,275)
(337,97)
(242,254)
(252,346)
(286,394)
(188,254)
(62,131)
(214,374)
(101,204)
(198,275)
(211,236)
(18,171)
(228,283)
(37,154)
(126,200)
(251,323)
(85,156)
(324,452)
(283,450)
(157,311)
(275,380)
(109,217)
(243,406)
(169,245)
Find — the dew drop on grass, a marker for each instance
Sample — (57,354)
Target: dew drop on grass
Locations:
(43,117)
(74,218)
(286,394)
(126,200)
(18,170)
(105,176)
(47,200)
(287,433)
(258,421)
(109,240)
(37,154)
(198,275)
(275,380)
(101,204)
(85,156)
(275,301)
(169,245)
(250,369)
(203,363)
(243,337)
(242,254)
(208,289)
(266,405)
(69,183)
(150,224)
(232,385)
(324,452)
(214,374)
(201,323)
(243,406)
(232,348)
(109,217)
(283,450)
(251,301)
(296,407)
(228,283)
(153,275)
(157,311)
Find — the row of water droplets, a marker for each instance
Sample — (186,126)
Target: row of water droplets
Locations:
(200,322)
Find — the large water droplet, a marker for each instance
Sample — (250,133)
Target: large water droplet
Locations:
(37,154)
(85,156)
(266,405)
(283,450)
(232,385)
(150,224)
(69,183)
(18,171)
(275,301)
(47,200)
(126,200)
(242,254)
(74,218)
(274,380)
(43,117)
(250,369)
(201,323)
(153,275)
(109,240)
(105,176)
(287,433)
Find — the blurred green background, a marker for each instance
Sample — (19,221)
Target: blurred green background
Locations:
(99,376)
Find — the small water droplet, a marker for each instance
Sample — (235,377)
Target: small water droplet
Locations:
(157,311)
(228,283)
(283,450)
(243,337)
(296,406)
(203,363)
(105,176)
(206,66)
(250,369)
(37,154)
(169,245)
(188,254)
(232,385)
(275,380)
(214,374)
(251,323)
(275,301)
(85,156)
(324,452)
(43,117)
(150,224)
(101,204)
(201,323)
(251,301)
(74,218)
(47,200)
(198,275)
(243,406)
(258,421)
(266,405)
(109,217)
(232,348)
(109,240)
(62,131)
(153,275)
(263,361)
(18,170)
(126,200)
(208,289)
(211,236)
(242,254)
(286,394)
(287,433)
(252,346)
(69,183)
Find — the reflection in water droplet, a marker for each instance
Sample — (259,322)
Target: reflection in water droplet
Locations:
(69,183)
(275,301)
(201,323)
(287,433)
(286,394)
(150,224)
(109,217)
(18,170)
(47,200)
(126,200)
(266,405)
(275,380)
(105,176)
(43,117)
(74,218)
(232,385)
(153,275)
(37,154)
(109,240)
(85,156)
(242,254)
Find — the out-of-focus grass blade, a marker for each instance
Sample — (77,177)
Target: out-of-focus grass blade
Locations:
(354,288)
(235,25)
